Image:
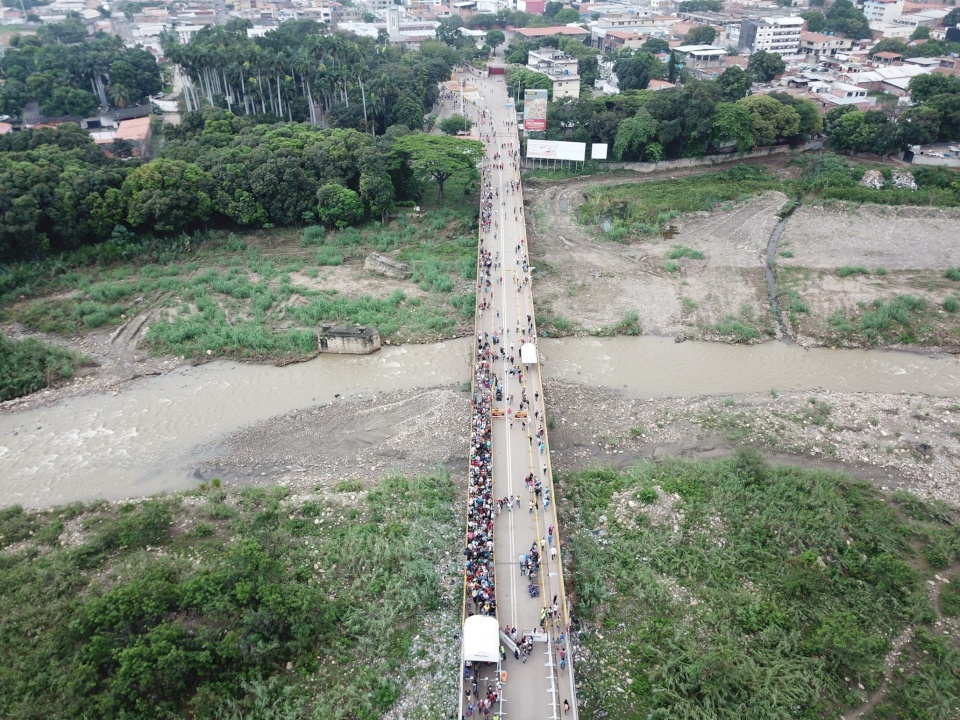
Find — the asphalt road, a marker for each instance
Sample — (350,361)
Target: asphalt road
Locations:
(538,687)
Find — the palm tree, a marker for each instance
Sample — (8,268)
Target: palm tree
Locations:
(119,95)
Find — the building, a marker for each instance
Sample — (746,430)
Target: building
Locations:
(136,132)
(701,56)
(562,69)
(609,41)
(887,58)
(817,45)
(534,33)
(657,85)
(882,11)
(348,339)
(930,18)
(778,35)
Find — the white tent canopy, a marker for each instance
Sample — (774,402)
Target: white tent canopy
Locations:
(528,354)
(481,639)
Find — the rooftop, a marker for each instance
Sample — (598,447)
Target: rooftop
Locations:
(548,31)
(136,129)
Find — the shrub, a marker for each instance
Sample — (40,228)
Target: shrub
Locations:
(847,271)
(736,329)
(952,274)
(682,251)
(29,365)
(328,256)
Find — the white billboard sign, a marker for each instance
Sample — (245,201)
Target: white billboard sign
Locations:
(555,150)
(598,151)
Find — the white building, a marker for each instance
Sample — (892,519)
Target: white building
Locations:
(773,34)
(561,68)
(882,11)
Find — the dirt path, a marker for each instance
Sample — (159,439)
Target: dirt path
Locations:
(890,663)
(834,264)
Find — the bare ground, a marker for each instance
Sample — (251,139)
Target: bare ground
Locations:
(592,282)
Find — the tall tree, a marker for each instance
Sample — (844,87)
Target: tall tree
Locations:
(700,35)
(636,139)
(734,83)
(770,119)
(764,66)
(439,157)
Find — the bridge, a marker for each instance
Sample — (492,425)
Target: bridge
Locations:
(514,575)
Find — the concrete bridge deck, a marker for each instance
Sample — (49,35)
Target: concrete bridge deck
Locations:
(537,688)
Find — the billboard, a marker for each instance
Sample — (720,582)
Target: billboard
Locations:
(598,151)
(534,109)
(556,150)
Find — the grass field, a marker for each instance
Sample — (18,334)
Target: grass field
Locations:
(637,209)
(634,211)
(236,294)
(219,604)
(731,589)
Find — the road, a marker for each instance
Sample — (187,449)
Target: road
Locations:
(538,687)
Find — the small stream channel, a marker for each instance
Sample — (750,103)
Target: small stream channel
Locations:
(770,271)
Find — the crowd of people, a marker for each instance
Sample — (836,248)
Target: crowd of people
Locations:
(481,594)
(503,343)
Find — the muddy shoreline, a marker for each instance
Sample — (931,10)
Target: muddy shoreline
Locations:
(896,441)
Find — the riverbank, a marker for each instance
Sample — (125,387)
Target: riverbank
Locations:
(404,407)
(842,274)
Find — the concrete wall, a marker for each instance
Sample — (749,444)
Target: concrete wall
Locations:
(934,160)
(362,342)
(697,161)
(382,265)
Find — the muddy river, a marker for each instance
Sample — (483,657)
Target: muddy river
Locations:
(148,437)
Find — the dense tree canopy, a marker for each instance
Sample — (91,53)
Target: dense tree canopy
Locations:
(74,79)
(688,121)
(634,72)
(764,66)
(298,73)
(439,158)
(567,15)
(701,6)
(841,17)
(734,83)
(59,191)
(770,119)
(700,35)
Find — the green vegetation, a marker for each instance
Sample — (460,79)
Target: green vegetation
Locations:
(951,303)
(952,274)
(629,324)
(247,302)
(30,365)
(752,592)
(68,73)
(638,209)
(741,328)
(166,608)
(900,320)
(261,159)
(682,251)
(848,271)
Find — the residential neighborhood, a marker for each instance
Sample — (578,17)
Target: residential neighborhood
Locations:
(866,62)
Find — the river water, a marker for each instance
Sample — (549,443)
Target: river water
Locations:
(142,440)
